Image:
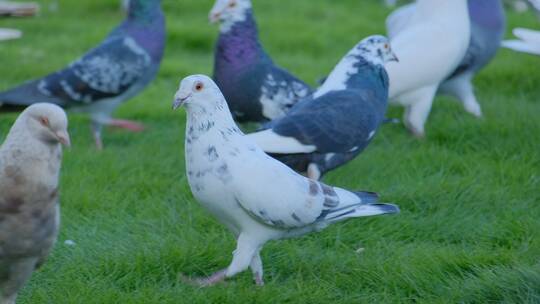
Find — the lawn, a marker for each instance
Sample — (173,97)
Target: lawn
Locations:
(469,230)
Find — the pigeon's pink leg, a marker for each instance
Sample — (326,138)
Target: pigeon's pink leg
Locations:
(206,281)
(96,131)
(126,124)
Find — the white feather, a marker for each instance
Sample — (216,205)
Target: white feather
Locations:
(528,42)
(272,142)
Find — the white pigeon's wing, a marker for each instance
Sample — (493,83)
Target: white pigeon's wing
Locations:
(528,35)
(399,19)
(529,43)
(272,142)
(275,195)
(521,46)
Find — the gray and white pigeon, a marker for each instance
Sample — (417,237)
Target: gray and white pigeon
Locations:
(528,41)
(336,123)
(113,72)
(256,89)
(430,47)
(30,160)
(488,24)
(258,198)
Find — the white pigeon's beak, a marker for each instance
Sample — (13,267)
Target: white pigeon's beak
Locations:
(179,100)
(63,138)
(394,57)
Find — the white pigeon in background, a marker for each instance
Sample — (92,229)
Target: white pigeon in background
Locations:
(429,45)
(528,42)
(30,160)
(9,34)
(258,198)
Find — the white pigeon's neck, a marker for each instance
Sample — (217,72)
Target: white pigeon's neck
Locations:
(210,119)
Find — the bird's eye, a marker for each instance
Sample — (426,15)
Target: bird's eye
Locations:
(232,4)
(386,46)
(44,121)
(199,86)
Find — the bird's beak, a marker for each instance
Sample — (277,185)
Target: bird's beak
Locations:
(63,138)
(394,57)
(179,101)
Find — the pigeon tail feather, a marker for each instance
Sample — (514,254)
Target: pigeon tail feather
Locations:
(362,210)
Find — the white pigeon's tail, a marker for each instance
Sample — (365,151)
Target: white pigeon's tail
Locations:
(357,204)
(528,42)
(361,210)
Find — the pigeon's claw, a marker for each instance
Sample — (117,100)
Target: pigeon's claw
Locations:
(212,280)
(127,125)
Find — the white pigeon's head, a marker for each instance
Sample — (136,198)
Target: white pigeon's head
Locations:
(375,49)
(198,90)
(228,12)
(48,123)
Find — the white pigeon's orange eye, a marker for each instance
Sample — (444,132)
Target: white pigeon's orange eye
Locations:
(199,86)
(386,46)
(44,121)
(232,4)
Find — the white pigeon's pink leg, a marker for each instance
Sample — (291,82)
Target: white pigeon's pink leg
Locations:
(126,124)
(243,256)
(313,172)
(211,280)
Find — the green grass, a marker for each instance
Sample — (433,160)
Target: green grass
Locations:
(469,230)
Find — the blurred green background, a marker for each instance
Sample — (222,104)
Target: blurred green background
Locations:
(469,231)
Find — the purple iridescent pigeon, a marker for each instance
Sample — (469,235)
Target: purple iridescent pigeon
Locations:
(488,24)
(113,72)
(256,89)
(336,123)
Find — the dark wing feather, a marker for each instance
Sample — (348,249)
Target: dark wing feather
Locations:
(105,72)
(338,121)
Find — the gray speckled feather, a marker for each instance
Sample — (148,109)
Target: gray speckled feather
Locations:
(115,70)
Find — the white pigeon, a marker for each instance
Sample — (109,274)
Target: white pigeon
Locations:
(528,42)
(30,161)
(430,45)
(258,198)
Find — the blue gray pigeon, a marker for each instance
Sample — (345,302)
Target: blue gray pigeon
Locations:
(256,89)
(113,72)
(338,121)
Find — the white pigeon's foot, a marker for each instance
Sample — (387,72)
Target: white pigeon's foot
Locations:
(127,125)
(205,281)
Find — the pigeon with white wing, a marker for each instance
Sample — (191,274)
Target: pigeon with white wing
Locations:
(258,198)
(30,160)
(256,89)
(488,24)
(528,41)
(430,46)
(336,123)
(113,72)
